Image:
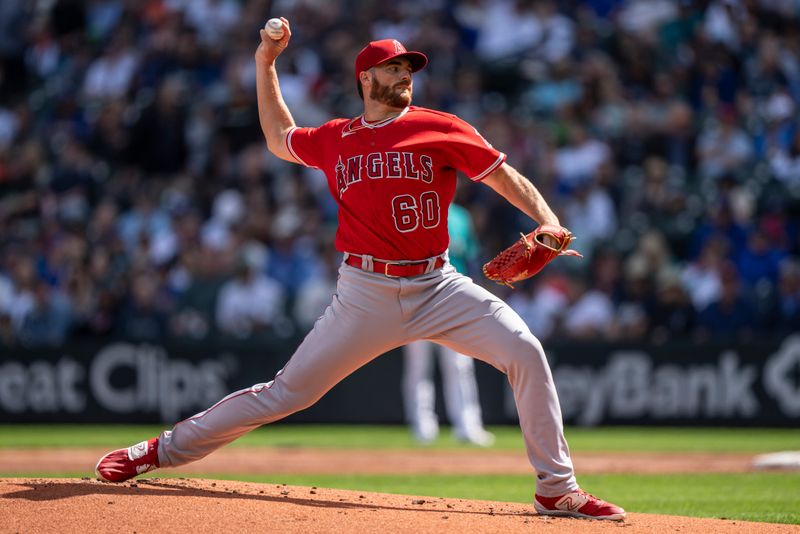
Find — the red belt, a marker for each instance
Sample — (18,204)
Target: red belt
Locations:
(395,270)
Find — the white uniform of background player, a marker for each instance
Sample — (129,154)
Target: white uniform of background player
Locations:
(458,371)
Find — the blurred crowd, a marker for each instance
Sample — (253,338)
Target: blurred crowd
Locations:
(137,197)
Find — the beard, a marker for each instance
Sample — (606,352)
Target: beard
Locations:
(389,95)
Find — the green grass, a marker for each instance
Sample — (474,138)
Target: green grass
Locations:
(738,440)
(742,440)
(768,497)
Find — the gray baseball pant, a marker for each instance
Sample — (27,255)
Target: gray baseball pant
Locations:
(370,315)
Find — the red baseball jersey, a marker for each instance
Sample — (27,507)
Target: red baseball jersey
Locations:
(394,180)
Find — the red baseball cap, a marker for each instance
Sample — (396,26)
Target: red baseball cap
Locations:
(379,51)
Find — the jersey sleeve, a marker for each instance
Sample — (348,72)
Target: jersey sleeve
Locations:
(304,144)
(470,153)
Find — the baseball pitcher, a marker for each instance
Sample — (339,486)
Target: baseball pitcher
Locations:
(392,171)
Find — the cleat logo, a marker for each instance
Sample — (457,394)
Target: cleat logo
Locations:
(571,502)
(137,451)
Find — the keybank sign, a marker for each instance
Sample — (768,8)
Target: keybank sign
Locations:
(121,378)
(635,385)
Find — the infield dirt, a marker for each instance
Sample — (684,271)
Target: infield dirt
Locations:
(193,505)
(178,505)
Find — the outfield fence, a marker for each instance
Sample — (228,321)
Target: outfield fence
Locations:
(676,383)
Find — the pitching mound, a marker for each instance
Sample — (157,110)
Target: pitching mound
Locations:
(179,505)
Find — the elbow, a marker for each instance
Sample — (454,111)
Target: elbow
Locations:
(276,142)
(275,146)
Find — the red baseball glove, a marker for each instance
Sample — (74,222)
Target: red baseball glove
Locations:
(530,254)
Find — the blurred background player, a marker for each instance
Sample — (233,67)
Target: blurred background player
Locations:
(458,371)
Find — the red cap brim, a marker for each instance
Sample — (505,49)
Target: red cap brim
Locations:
(418,61)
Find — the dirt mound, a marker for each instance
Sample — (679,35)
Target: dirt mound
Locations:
(180,505)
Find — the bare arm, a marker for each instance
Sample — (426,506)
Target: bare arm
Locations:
(520,192)
(274,116)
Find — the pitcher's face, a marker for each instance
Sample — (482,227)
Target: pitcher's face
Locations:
(391,83)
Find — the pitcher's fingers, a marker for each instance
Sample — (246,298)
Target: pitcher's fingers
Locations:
(287,30)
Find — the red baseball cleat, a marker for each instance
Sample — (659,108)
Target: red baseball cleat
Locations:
(123,464)
(578,503)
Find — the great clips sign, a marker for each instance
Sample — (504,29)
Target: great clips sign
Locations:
(126,382)
(140,381)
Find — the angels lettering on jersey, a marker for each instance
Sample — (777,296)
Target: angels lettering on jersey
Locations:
(383,165)
(393,180)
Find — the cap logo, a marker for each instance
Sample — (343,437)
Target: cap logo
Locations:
(398,47)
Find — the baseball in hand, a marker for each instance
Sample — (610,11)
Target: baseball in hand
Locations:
(274,28)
